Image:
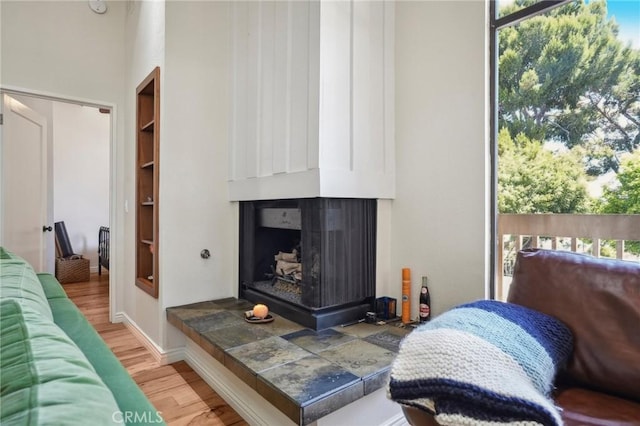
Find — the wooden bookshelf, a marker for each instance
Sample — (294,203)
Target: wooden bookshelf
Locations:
(147,173)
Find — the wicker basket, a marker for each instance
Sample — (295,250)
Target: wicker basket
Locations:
(72,270)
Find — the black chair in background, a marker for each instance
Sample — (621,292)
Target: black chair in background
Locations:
(103,249)
(70,267)
(63,245)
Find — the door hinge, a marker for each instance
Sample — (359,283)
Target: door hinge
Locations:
(1,119)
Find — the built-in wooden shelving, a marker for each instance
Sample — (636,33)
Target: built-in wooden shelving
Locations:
(147,173)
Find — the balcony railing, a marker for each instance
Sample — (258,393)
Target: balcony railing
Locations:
(598,235)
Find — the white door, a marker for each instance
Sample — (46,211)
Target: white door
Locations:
(23,184)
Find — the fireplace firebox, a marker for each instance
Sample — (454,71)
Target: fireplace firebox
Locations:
(311,260)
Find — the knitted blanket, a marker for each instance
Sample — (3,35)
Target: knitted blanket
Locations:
(483,363)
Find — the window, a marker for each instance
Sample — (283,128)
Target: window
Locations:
(566,120)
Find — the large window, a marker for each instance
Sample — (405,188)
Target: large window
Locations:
(566,121)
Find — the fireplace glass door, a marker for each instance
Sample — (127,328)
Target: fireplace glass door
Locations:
(310,259)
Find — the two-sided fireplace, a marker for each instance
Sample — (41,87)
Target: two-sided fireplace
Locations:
(311,260)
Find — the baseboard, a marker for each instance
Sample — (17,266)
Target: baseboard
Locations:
(162,356)
(94,269)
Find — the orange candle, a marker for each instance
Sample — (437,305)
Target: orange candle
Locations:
(406,295)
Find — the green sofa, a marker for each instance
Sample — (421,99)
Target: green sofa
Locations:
(55,369)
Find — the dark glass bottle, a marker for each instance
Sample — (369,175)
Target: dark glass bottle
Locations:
(425,302)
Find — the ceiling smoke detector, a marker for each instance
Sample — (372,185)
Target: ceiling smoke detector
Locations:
(98,6)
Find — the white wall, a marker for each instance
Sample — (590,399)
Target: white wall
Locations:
(195,212)
(144,46)
(437,224)
(439,218)
(81,142)
(63,49)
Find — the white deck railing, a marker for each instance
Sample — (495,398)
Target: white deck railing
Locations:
(574,232)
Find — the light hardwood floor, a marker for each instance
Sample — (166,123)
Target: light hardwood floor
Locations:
(175,390)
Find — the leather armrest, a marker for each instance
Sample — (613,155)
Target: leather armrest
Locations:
(417,417)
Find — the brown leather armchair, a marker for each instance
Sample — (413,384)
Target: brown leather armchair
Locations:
(599,300)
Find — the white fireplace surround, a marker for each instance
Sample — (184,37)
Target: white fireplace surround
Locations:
(312,100)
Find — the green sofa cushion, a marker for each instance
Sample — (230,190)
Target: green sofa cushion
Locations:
(45,379)
(52,288)
(5,254)
(19,282)
(132,401)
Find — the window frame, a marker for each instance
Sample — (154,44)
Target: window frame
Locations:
(495,25)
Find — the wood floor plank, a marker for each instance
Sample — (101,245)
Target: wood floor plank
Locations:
(183,398)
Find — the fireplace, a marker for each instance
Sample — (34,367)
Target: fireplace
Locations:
(311,260)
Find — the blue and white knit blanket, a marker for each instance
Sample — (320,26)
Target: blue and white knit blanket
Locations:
(483,363)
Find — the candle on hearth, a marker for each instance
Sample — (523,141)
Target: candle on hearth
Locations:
(260,311)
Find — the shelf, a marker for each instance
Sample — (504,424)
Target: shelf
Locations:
(147,182)
(148,127)
(144,282)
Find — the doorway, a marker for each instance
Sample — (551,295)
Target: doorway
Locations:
(79,149)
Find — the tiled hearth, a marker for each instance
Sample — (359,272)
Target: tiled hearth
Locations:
(306,374)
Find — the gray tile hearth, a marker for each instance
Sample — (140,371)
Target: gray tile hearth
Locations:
(269,353)
(316,341)
(306,374)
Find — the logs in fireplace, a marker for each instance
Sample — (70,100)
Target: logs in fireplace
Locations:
(311,260)
(288,268)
